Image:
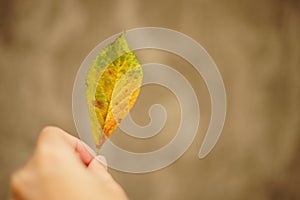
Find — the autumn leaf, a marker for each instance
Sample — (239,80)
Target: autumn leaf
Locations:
(113,85)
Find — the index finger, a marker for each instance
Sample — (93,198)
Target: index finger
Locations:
(85,153)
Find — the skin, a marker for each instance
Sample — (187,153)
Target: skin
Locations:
(61,168)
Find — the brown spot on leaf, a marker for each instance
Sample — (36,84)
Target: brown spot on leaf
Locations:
(98,104)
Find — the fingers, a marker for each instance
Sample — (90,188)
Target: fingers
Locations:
(98,166)
(53,136)
(55,166)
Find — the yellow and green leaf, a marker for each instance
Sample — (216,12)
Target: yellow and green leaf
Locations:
(113,85)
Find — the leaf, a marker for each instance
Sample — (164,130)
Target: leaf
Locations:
(113,85)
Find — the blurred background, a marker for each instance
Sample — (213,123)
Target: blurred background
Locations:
(255,44)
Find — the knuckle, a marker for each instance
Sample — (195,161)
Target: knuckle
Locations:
(48,131)
(47,134)
(47,149)
(16,181)
(44,149)
(20,183)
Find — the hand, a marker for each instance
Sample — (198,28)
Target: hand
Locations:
(62,168)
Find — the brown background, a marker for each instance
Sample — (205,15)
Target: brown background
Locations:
(255,44)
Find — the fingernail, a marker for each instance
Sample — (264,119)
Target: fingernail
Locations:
(102,160)
(89,149)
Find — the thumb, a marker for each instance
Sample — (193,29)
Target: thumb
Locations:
(98,166)
(102,160)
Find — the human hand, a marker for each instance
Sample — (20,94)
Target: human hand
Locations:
(62,168)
